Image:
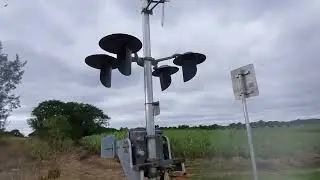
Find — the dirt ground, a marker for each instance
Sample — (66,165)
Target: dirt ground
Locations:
(67,167)
(16,164)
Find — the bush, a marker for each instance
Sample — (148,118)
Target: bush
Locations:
(58,127)
(58,133)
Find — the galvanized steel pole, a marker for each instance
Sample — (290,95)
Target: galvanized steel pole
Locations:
(249,133)
(148,88)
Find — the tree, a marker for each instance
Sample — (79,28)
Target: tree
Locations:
(43,111)
(11,73)
(58,131)
(85,119)
(57,127)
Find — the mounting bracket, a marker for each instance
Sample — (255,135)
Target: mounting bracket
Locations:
(133,155)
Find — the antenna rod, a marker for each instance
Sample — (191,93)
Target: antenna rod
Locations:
(162,15)
(148,89)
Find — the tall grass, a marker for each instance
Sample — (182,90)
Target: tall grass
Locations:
(288,175)
(268,142)
(43,150)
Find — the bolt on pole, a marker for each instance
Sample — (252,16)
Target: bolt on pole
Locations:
(148,88)
(249,133)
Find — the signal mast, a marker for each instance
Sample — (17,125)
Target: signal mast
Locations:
(145,152)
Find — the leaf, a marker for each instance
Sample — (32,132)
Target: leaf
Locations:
(11,72)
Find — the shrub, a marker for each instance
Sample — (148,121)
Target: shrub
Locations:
(58,127)
(58,133)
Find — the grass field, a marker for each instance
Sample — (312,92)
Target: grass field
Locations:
(288,153)
(288,175)
(268,142)
(283,153)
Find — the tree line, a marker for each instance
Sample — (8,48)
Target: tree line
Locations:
(239,125)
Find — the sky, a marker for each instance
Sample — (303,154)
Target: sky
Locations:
(280,38)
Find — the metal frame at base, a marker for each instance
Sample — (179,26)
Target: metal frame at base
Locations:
(133,156)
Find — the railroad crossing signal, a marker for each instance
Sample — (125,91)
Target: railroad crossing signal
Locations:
(189,62)
(125,46)
(144,152)
(164,73)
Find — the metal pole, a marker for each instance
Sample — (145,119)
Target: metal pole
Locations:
(167,58)
(150,127)
(246,117)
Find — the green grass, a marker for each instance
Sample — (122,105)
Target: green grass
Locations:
(289,175)
(268,142)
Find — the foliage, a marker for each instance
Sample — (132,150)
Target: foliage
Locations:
(268,142)
(11,73)
(58,131)
(84,119)
(57,127)
(44,111)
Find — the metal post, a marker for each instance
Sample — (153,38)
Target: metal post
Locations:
(246,117)
(141,175)
(148,89)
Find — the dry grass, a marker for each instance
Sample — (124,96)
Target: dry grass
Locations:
(32,159)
